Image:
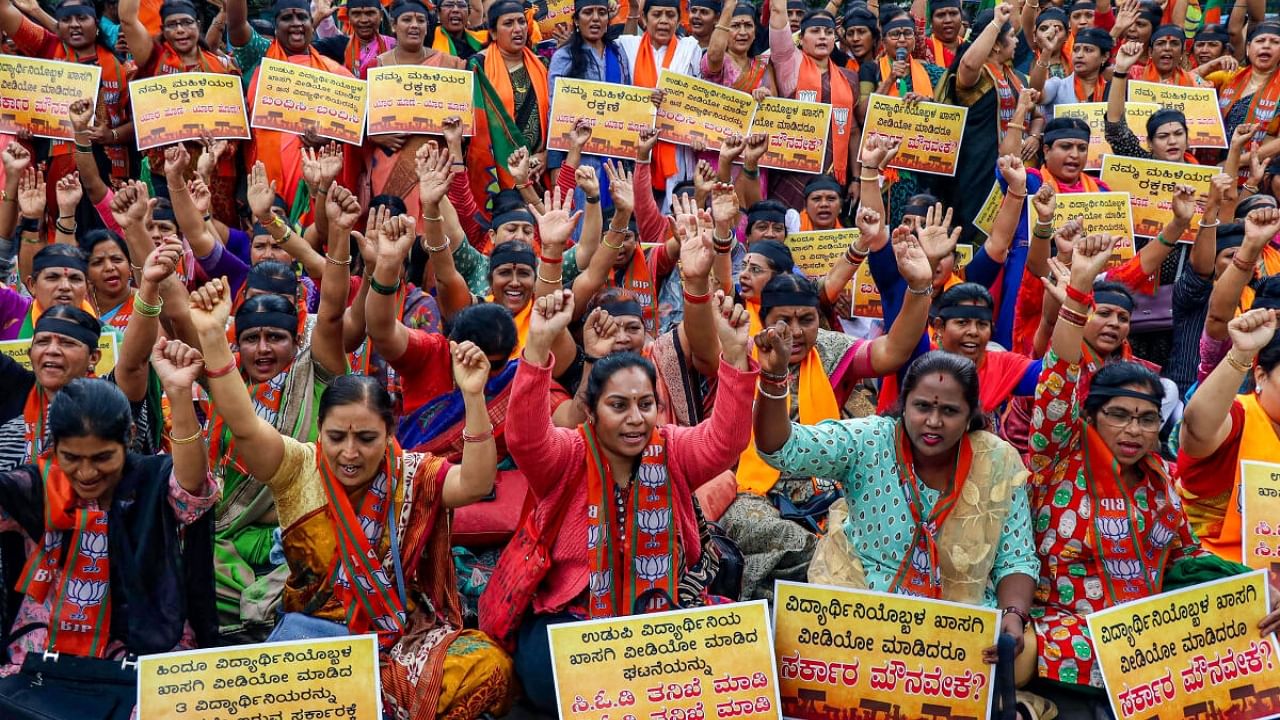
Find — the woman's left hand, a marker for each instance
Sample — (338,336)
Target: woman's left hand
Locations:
(177,364)
(470,367)
(1010,624)
(732,323)
(163,261)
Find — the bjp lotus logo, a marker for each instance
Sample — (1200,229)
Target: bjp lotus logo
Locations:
(593,537)
(93,546)
(653,522)
(652,477)
(85,594)
(601,584)
(652,567)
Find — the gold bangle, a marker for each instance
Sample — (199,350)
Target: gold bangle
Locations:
(873,178)
(186,440)
(1020,126)
(1240,366)
(428,218)
(557,281)
(605,241)
(334,261)
(724,28)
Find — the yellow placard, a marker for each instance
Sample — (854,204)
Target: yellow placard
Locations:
(322,678)
(797,133)
(1150,184)
(1198,104)
(617,113)
(1192,653)
(1135,116)
(817,251)
(867,302)
(1260,514)
(1108,212)
(694,109)
(35,94)
(559,12)
(416,100)
(715,661)
(930,132)
(986,217)
(905,657)
(295,98)
(107,349)
(174,108)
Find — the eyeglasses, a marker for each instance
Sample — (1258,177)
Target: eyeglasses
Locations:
(1120,419)
(900,34)
(179,23)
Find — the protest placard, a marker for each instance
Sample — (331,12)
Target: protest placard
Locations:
(715,661)
(797,133)
(1108,212)
(1192,653)
(330,677)
(816,251)
(1260,513)
(1198,104)
(986,216)
(1095,114)
(907,657)
(295,98)
(107,347)
(182,106)
(616,113)
(694,109)
(930,132)
(415,99)
(36,94)
(1150,184)
(559,12)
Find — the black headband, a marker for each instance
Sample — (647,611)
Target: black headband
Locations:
(916,211)
(1100,39)
(765,214)
(970,312)
(177,7)
(817,20)
(246,321)
(1106,391)
(580,5)
(1111,297)
(779,255)
(273,284)
(71,9)
(713,5)
(282,5)
(937,5)
(1163,116)
(796,5)
(503,7)
(744,8)
(68,328)
(822,182)
(45,260)
(503,255)
(786,298)
(674,4)
(409,7)
(1229,236)
(1168,31)
(1264,28)
(363,4)
(620,308)
(1065,133)
(1213,33)
(901,21)
(517,214)
(1054,14)
(1082,5)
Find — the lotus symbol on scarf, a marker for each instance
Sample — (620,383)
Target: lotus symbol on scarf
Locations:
(652,567)
(1124,569)
(1113,528)
(381,576)
(371,528)
(84,594)
(1161,535)
(363,583)
(652,477)
(94,547)
(653,522)
(593,537)
(601,583)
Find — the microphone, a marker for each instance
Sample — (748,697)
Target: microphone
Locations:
(903,87)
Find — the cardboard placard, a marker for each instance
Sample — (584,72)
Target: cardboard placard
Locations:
(182,106)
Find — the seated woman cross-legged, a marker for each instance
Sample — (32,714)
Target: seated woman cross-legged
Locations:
(365,526)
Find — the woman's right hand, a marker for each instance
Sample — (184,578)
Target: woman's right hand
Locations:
(211,308)
(598,331)
(1127,56)
(773,349)
(177,364)
(31,192)
(163,261)
(1045,202)
(732,328)
(1252,331)
(1243,133)
(470,367)
(1089,257)
(550,316)
(81,114)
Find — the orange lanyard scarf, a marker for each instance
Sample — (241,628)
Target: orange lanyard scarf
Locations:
(1263,106)
(920,82)
(911,579)
(1178,77)
(1090,185)
(942,55)
(646,75)
(806,224)
(1007,89)
(641,284)
(1099,89)
(80,620)
(35,415)
(810,80)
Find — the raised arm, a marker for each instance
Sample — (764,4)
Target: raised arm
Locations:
(719,42)
(534,443)
(31,205)
(1259,227)
(199,232)
(382,310)
(261,194)
(890,351)
(132,371)
(238,29)
(16,158)
(1005,225)
(259,447)
(81,113)
(556,221)
(1184,206)
(870,228)
(67,192)
(1207,420)
(697,332)
(748,183)
(327,346)
(472,479)
(1090,256)
(435,176)
(1118,90)
(975,57)
(1204,251)
(10,18)
(179,365)
(876,156)
(141,44)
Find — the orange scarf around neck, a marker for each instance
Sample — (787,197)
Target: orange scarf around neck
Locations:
(920,82)
(646,75)
(810,79)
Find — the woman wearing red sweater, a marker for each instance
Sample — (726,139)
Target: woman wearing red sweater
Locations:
(619,487)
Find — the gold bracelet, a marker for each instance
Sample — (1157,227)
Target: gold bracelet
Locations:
(335,261)
(873,178)
(1240,366)
(186,440)
(605,240)
(557,281)
(428,218)
(1020,126)
(723,27)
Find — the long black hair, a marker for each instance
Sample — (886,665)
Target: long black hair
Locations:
(580,54)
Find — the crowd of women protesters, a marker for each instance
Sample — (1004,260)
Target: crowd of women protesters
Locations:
(282,388)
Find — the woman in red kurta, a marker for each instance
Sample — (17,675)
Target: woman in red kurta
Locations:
(620,489)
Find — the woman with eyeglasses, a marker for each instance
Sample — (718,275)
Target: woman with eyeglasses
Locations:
(1108,522)
(452,36)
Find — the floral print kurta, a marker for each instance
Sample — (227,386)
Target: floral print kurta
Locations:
(1073,572)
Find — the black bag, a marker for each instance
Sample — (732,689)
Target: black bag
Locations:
(810,514)
(64,687)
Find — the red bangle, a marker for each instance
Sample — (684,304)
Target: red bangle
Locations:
(220,371)
(469,438)
(549,261)
(1085,299)
(696,299)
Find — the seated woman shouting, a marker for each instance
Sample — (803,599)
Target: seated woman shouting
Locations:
(356,560)
(615,517)
(122,558)
(936,506)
